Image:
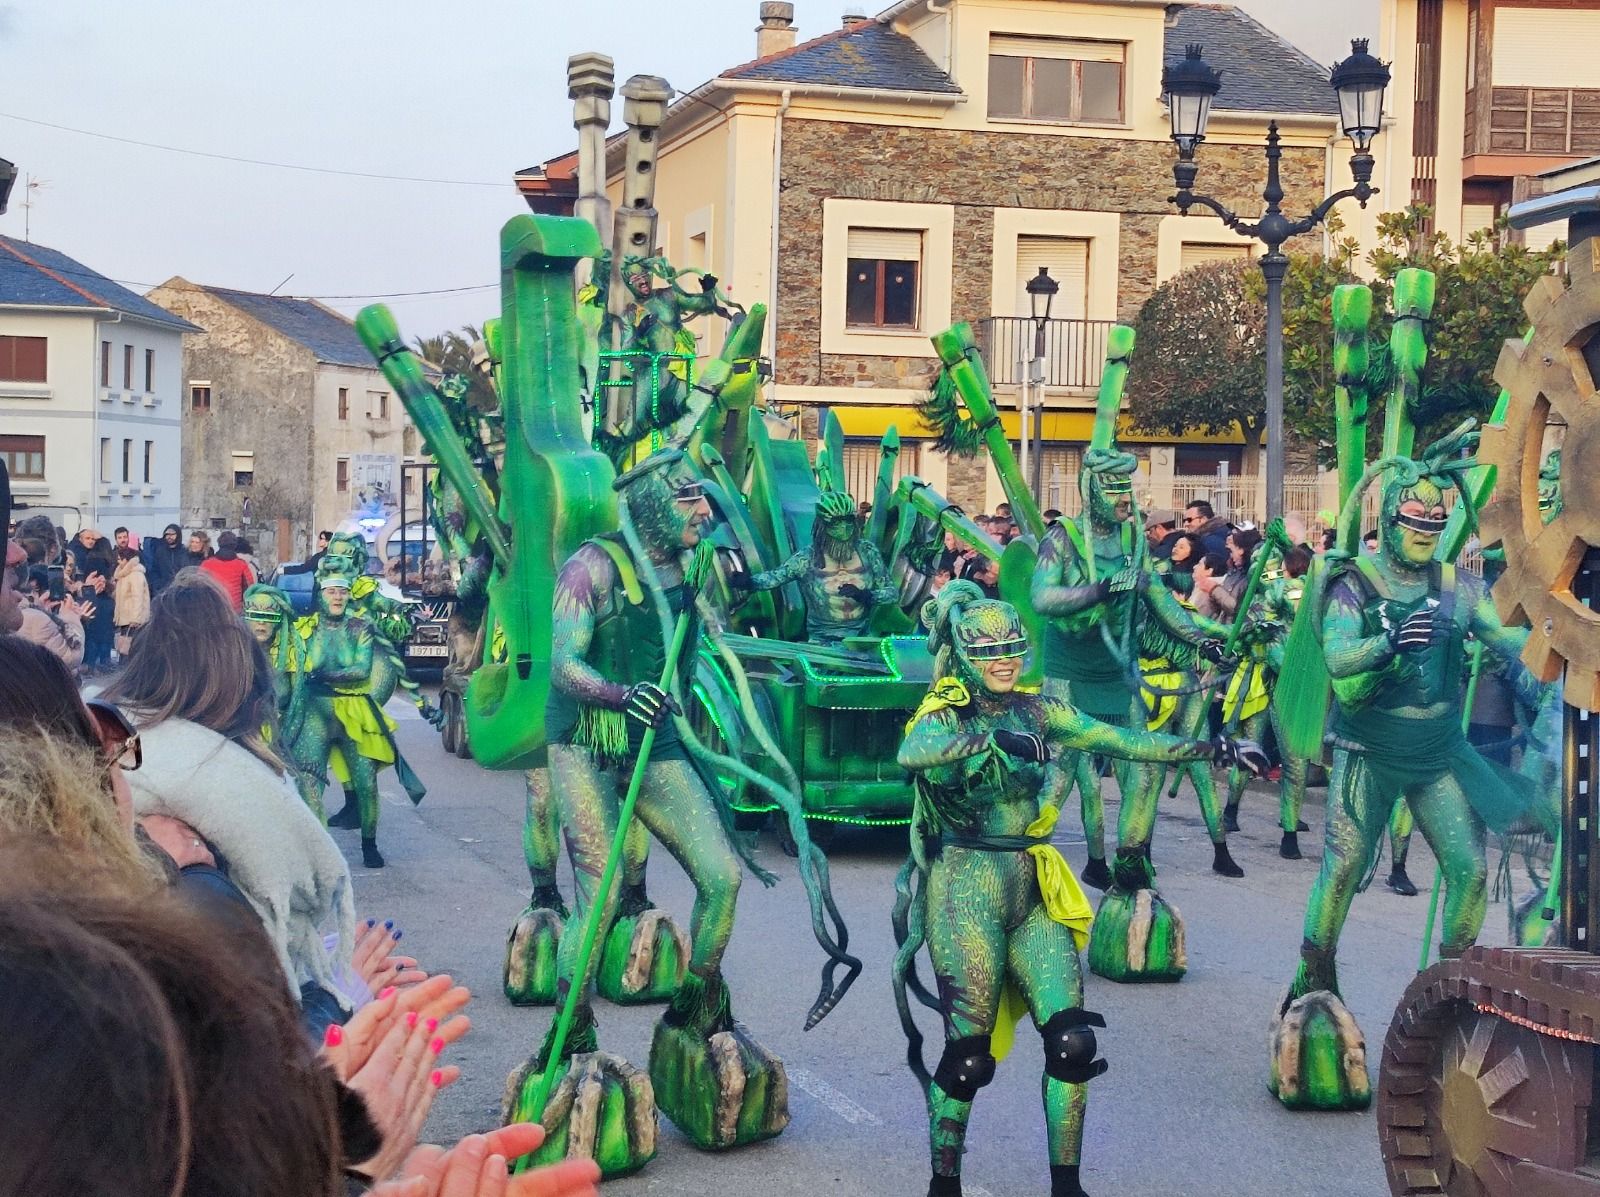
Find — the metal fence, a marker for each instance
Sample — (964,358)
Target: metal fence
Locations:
(1074,350)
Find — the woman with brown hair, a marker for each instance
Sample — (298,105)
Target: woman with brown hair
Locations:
(200,690)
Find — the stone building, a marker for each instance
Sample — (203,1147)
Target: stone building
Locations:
(289,426)
(90,378)
(904,172)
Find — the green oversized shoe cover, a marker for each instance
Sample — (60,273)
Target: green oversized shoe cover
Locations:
(642,959)
(1137,937)
(717,1084)
(530,973)
(1319,1056)
(603,1109)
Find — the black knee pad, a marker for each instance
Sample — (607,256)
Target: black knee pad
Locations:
(1069,1046)
(965,1067)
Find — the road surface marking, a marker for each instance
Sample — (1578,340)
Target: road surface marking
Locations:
(841,1105)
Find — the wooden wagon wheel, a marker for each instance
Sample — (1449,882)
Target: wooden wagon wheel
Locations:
(1551,379)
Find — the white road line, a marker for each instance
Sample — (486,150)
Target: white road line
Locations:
(841,1105)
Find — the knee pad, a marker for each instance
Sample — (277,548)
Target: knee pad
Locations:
(1069,1046)
(965,1067)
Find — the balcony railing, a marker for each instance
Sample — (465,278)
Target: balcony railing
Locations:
(1074,350)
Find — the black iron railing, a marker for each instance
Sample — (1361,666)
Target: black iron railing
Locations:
(1074,350)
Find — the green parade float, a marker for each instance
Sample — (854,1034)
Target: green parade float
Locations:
(757,720)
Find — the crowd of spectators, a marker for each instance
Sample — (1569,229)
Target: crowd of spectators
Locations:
(178,935)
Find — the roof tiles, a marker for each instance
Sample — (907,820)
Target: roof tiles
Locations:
(36,275)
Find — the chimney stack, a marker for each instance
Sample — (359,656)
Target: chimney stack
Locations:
(855,17)
(776,32)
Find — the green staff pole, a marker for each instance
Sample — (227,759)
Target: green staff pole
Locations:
(602,896)
(1474,668)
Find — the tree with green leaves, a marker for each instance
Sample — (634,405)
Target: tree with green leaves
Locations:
(1200,364)
(451,351)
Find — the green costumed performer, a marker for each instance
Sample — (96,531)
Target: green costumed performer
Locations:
(269,614)
(996,905)
(616,602)
(1394,627)
(1247,705)
(842,577)
(343,729)
(346,556)
(1104,610)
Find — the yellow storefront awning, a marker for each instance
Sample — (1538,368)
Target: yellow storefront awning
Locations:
(874,420)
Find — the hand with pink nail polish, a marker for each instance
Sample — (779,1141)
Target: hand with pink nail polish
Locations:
(476,1167)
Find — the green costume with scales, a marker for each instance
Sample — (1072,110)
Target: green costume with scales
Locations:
(995,904)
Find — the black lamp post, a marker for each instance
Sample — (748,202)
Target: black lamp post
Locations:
(1190,86)
(1041,290)
(8,176)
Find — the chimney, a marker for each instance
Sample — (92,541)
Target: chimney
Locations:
(855,17)
(776,32)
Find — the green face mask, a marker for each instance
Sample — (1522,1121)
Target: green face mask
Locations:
(666,500)
(1413,521)
(986,633)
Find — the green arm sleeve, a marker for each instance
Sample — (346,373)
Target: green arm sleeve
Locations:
(879,583)
(582,584)
(791,570)
(1050,592)
(936,740)
(1178,622)
(1065,727)
(1346,648)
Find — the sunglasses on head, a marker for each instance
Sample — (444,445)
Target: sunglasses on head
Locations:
(690,492)
(1421,523)
(119,739)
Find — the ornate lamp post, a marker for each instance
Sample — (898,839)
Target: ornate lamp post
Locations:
(1190,86)
(1041,290)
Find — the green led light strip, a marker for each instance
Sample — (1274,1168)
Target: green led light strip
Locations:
(853,820)
(885,651)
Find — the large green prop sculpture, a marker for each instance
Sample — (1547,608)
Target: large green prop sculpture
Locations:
(1390,630)
(997,907)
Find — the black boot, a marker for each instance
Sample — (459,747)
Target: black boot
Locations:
(370,856)
(1222,861)
(349,818)
(548,897)
(1230,817)
(1289,849)
(1064,1181)
(1096,874)
(944,1186)
(1302,825)
(1399,882)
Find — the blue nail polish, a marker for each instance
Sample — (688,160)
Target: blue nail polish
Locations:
(397,935)
(388,924)
(371,923)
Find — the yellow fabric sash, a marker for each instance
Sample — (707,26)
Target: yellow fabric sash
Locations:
(1255,692)
(945,693)
(1064,901)
(1158,672)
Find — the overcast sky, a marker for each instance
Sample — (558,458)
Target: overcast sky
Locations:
(413,88)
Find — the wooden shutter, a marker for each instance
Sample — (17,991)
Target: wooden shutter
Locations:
(1198,253)
(1545,47)
(1475,217)
(1067,259)
(889,245)
(1056,47)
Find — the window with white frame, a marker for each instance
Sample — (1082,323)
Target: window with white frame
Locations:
(244,468)
(23,456)
(883,280)
(1056,79)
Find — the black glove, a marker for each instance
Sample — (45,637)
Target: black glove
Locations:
(431,713)
(850,590)
(650,705)
(1227,752)
(1124,580)
(741,582)
(708,283)
(1215,651)
(1025,746)
(1414,633)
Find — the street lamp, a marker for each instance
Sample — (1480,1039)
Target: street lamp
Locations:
(1041,290)
(8,176)
(1190,85)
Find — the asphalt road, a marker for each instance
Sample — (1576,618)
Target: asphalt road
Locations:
(1184,1109)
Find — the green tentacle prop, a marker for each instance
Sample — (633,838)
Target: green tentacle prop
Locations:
(834,941)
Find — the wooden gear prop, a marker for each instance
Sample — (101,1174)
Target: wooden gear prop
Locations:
(1551,379)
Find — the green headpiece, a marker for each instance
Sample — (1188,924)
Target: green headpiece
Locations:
(346,553)
(964,626)
(1550,486)
(1106,476)
(335,581)
(654,491)
(267,604)
(1441,466)
(836,505)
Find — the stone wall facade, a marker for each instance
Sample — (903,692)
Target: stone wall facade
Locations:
(976,172)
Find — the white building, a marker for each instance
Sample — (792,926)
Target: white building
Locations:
(90,382)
